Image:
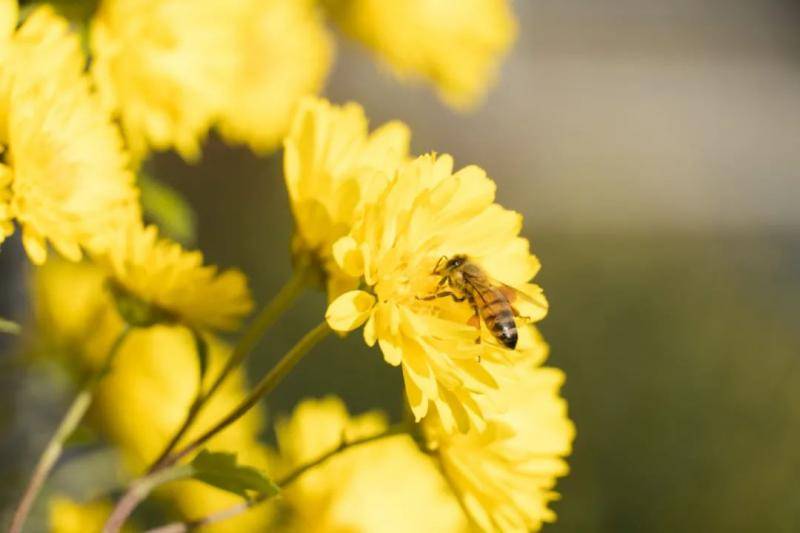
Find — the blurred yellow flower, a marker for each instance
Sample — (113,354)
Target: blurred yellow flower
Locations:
(175,283)
(153,383)
(505,474)
(455,44)
(64,178)
(68,516)
(283,52)
(162,66)
(333,165)
(75,315)
(425,213)
(386,486)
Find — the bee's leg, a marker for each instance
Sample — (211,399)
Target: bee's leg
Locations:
(443,294)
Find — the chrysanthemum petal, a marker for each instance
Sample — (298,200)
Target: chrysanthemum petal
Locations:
(349,310)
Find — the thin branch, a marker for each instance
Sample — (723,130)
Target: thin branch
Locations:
(250,338)
(66,427)
(262,388)
(139,490)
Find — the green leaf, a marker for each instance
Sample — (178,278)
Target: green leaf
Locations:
(219,469)
(7,326)
(168,209)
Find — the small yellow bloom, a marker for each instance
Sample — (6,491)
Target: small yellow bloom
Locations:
(333,166)
(505,474)
(425,213)
(387,486)
(455,44)
(162,66)
(283,52)
(68,516)
(64,178)
(175,282)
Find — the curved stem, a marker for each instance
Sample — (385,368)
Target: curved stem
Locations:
(254,332)
(55,446)
(265,386)
(230,512)
(139,490)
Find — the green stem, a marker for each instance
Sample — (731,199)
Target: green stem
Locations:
(254,332)
(230,512)
(65,428)
(265,386)
(138,492)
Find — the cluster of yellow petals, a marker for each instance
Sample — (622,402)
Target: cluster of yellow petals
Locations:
(63,176)
(333,167)
(172,69)
(504,475)
(425,213)
(153,383)
(386,486)
(454,44)
(175,281)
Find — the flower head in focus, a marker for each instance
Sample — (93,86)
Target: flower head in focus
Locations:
(334,166)
(505,474)
(174,284)
(63,175)
(162,66)
(386,486)
(283,52)
(455,44)
(428,212)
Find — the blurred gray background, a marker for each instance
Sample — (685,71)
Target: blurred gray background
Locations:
(654,148)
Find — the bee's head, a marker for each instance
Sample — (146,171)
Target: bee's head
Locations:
(447,265)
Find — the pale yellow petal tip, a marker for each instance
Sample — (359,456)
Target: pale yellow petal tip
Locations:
(349,311)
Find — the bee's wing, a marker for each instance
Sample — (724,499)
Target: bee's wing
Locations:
(527,301)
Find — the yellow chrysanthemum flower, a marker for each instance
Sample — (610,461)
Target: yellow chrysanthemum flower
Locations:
(63,178)
(455,44)
(175,284)
(162,66)
(333,166)
(505,474)
(283,53)
(68,516)
(152,385)
(428,212)
(386,486)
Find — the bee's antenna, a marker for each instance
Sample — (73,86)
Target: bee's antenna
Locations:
(439,262)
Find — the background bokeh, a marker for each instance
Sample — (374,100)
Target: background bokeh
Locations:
(654,148)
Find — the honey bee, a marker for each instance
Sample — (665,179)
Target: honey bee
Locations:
(490,299)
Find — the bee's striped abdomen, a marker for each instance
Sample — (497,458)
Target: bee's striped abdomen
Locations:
(496,312)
